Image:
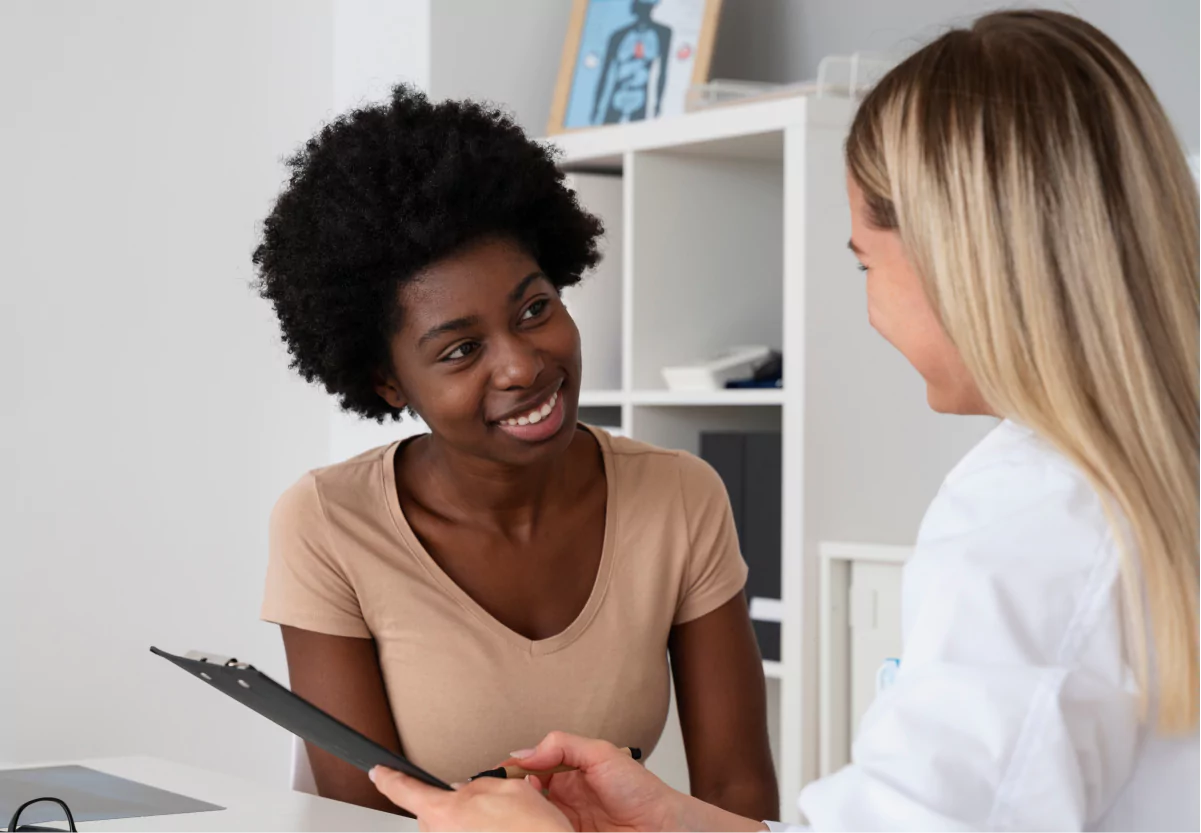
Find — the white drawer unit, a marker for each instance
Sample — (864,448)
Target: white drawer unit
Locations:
(860,630)
(874,614)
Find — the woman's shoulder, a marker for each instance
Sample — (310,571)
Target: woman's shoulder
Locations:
(1011,475)
(1013,452)
(1018,530)
(651,468)
(350,483)
(626,448)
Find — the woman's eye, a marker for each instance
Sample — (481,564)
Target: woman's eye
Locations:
(860,267)
(461,352)
(535,309)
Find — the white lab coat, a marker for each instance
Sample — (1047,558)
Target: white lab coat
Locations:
(1015,706)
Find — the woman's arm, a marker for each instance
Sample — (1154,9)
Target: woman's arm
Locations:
(341,675)
(722,700)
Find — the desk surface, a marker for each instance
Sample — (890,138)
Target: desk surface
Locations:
(248,806)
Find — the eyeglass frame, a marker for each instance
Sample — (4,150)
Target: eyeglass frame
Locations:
(14,823)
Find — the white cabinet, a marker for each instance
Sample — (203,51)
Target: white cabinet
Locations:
(860,628)
(875,629)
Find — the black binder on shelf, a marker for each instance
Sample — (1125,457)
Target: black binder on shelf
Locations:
(255,690)
(749,464)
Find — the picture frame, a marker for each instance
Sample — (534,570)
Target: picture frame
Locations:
(631,60)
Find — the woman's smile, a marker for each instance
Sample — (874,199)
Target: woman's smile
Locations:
(537,423)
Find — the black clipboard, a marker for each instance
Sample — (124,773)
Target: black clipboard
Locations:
(255,690)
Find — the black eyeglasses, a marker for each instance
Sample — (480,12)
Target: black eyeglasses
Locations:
(15,824)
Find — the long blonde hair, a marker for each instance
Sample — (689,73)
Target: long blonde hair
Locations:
(1041,193)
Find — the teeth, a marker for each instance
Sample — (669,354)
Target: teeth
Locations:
(537,415)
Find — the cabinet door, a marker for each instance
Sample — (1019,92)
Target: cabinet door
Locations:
(875,620)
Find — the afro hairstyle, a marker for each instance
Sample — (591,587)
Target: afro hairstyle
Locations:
(377,196)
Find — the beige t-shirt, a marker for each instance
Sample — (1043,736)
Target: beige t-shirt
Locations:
(464,689)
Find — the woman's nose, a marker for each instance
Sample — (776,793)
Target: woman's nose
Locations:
(518,364)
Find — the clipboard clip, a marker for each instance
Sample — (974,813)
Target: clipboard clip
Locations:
(215,659)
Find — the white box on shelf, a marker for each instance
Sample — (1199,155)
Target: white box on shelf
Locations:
(767,610)
(712,374)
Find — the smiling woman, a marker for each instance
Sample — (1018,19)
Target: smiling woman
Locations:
(462,593)
(489,284)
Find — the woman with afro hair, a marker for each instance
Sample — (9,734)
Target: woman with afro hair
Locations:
(458,595)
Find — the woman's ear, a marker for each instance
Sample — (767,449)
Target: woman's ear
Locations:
(390,391)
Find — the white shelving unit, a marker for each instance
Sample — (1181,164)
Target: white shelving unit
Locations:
(730,227)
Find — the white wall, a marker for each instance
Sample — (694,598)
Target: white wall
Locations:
(506,52)
(377,44)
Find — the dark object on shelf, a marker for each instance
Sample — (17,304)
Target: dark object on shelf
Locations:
(755,384)
(749,464)
(768,636)
(768,374)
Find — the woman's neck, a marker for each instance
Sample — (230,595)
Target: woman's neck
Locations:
(484,493)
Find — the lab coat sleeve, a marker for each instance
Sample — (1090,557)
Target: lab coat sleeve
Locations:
(1012,708)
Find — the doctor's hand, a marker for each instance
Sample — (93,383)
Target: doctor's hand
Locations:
(608,791)
(484,804)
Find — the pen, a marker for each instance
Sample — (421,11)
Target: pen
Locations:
(519,772)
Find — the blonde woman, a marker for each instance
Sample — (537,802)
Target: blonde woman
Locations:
(1029,230)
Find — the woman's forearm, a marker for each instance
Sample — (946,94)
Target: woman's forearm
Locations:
(697,815)
(750,797)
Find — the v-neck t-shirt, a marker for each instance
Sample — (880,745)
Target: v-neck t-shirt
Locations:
(464,689)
